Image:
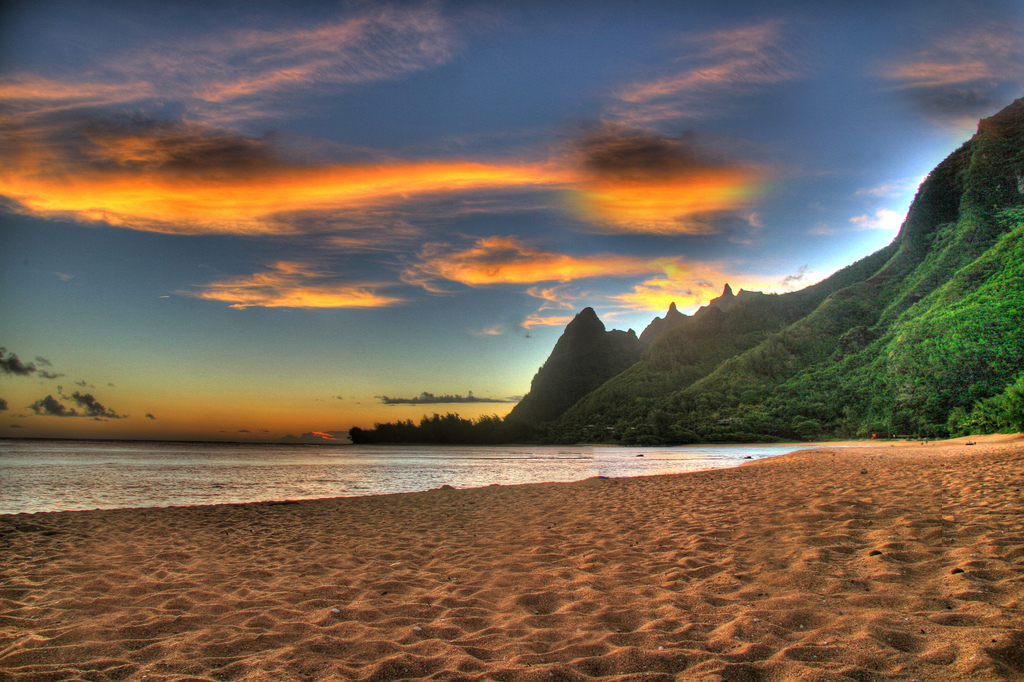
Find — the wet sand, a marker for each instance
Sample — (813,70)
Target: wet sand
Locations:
(887,561)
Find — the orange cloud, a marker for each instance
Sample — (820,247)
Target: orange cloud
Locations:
(253,199)
(640,182)
(188,178)
(293,285)
(538,320)
(329,436)
(37,94)
(673,205)
(505,260)
(554,297)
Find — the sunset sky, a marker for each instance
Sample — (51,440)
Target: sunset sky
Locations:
(249,220)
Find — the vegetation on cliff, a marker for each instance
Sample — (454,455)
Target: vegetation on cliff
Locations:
(922,338)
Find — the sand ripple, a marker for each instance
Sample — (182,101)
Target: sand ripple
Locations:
(798,567)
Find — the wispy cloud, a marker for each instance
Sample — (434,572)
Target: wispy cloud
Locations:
(956,76)
(538,319)
(555,297)
(714,69)
(426,398)
(492,330)
(239,74)
(891,189)
(883,219)
(507,260)
(797,279)
(294,285)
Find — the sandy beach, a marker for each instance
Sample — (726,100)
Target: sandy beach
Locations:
(879,562)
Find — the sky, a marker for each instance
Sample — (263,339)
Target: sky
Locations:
(262,220)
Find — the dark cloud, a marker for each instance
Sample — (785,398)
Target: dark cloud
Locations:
(963,75)
(16,426)
(952,103)
(93,408)
(146,144)
(616,151)
(3,405)
(83,383)
(793,280)
(13,365)
(90,407)
(244,431)
(52,407)
(149,415)
(431,399)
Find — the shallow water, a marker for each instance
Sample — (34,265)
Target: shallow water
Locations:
(57,475)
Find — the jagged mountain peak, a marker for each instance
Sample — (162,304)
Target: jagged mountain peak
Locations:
(585,321)
(660,325)
(584,357)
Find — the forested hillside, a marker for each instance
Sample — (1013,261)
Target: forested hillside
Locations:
(922,338)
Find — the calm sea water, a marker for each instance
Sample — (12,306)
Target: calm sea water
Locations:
(41,475)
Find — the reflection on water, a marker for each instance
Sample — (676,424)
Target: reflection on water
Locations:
(65,475)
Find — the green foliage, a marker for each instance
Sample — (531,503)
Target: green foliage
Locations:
(447,429)
(922,338)
(1004,412)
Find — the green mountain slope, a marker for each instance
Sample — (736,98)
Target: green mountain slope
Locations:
(913,339)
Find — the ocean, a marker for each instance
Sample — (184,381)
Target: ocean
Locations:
(62,475)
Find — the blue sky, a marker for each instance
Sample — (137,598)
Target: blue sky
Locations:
(255,219)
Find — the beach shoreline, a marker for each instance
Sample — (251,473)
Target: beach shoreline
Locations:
(877,560)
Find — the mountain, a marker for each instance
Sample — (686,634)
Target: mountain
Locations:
(585,356)
(659,325)
(921,338)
